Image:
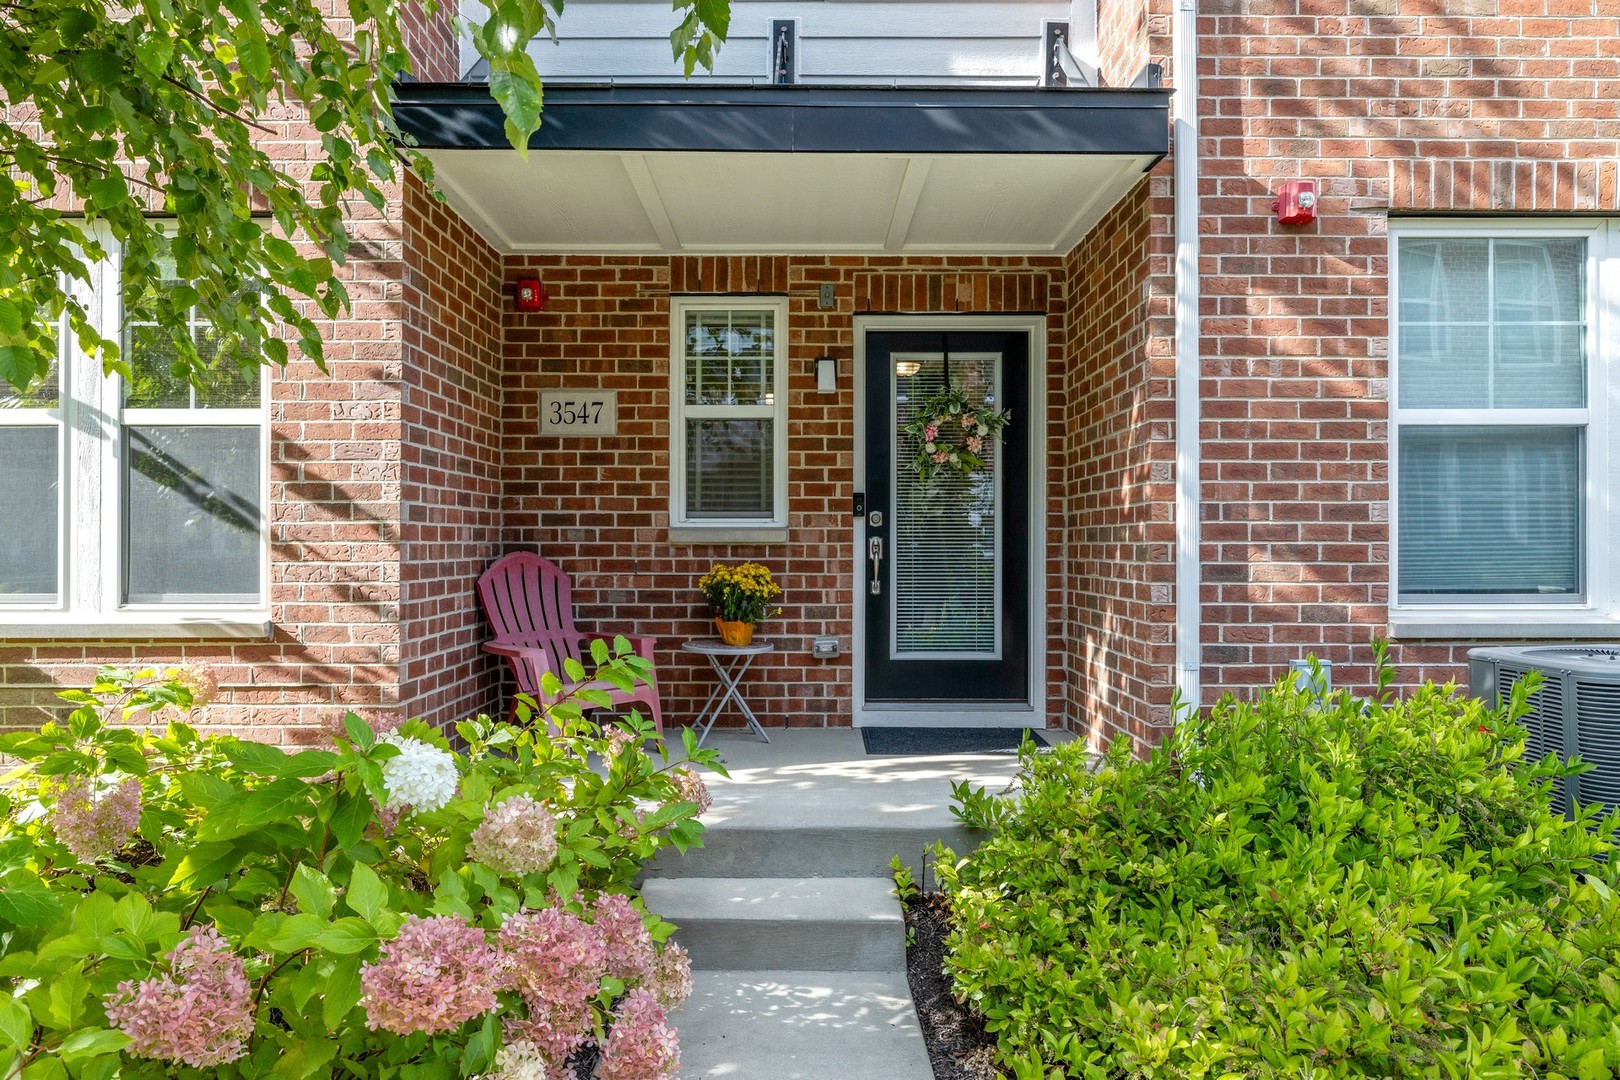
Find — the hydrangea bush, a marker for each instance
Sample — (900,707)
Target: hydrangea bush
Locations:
(393,906)
(1296,887)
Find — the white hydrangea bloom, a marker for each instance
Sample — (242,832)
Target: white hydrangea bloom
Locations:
(422,776)
(519,1061)
(518,836)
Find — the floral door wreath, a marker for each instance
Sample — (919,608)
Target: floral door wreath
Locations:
(950,435)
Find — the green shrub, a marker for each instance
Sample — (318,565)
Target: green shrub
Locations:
(387,907)
(1296,888)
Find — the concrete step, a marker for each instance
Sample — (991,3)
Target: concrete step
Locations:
(800,1025)
(737,850)
(765,923)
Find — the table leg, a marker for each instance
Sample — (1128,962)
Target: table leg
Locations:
(729,677)
(697,724)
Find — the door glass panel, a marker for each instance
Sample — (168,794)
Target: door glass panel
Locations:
(947,564)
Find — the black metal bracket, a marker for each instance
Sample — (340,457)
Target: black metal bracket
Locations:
(784,51)
(1055,42)
(1149,78)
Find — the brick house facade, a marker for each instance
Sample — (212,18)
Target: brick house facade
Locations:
(397,478)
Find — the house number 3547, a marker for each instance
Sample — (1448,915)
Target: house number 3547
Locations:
(578,412)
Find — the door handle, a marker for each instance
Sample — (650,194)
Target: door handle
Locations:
(874,551)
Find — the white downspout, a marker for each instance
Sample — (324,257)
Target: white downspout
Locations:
(1184,71)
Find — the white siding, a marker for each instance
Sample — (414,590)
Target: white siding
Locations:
(865,42)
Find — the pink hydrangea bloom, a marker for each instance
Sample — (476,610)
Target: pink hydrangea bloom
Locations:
(201,679)
(435,976)
(618,739)
(92,823)
(974,443)
(941,457)
(556,1031)
(671,978)
(629,946)
(642,1045)
(200,1014)
(552,957)
(520,1060)
(692,788)
(517,836)
(630,830)
(381,723)
(930,432)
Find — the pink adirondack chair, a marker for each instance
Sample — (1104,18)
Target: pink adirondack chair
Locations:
(529,602)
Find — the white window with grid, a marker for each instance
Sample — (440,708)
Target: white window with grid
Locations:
(1503,363)
(134,507)
(729,429)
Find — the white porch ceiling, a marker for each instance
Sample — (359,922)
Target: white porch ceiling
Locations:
(606,201)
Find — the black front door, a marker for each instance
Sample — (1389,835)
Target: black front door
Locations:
(946,582)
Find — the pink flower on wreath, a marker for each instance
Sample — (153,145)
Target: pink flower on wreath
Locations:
(939,457)
(92,823)
(629,946)
(974,443)
(435,976)
(554,958)
(200,1014)
(931,432)
(642,1045)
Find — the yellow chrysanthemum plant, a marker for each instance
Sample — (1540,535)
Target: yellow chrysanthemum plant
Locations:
(741,593)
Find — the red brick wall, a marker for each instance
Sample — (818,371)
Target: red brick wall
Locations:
(431,41)
(452,447)
(334,510)
(600,507)
(1119,486)
(1394,106)
(334,534)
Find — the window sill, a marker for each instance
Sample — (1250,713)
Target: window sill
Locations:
(122,626)
(726,534)
(1499,624)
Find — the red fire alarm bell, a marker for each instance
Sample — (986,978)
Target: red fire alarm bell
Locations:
(1296,202)
(531,295)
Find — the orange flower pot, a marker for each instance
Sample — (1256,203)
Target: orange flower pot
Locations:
(735,633)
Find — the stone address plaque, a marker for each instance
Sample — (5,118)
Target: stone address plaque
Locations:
(579,412)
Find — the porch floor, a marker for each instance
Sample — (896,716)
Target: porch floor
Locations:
(787,908)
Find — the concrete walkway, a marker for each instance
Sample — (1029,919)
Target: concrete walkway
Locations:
(796,938)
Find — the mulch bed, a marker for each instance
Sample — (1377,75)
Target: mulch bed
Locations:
(958,1046)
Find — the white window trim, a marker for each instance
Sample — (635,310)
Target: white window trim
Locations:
(689,530)
(1597,613)
(90,570)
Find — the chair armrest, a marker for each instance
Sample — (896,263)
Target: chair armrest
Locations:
(533,656)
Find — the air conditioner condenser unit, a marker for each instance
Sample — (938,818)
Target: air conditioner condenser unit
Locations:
(1575,712)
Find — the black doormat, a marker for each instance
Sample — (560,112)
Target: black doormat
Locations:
(918,741)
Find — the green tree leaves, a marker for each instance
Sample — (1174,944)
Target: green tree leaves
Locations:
(167,125)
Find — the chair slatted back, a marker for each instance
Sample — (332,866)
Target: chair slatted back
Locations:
(529,600)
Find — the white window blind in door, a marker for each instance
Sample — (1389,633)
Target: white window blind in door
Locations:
(947,564)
